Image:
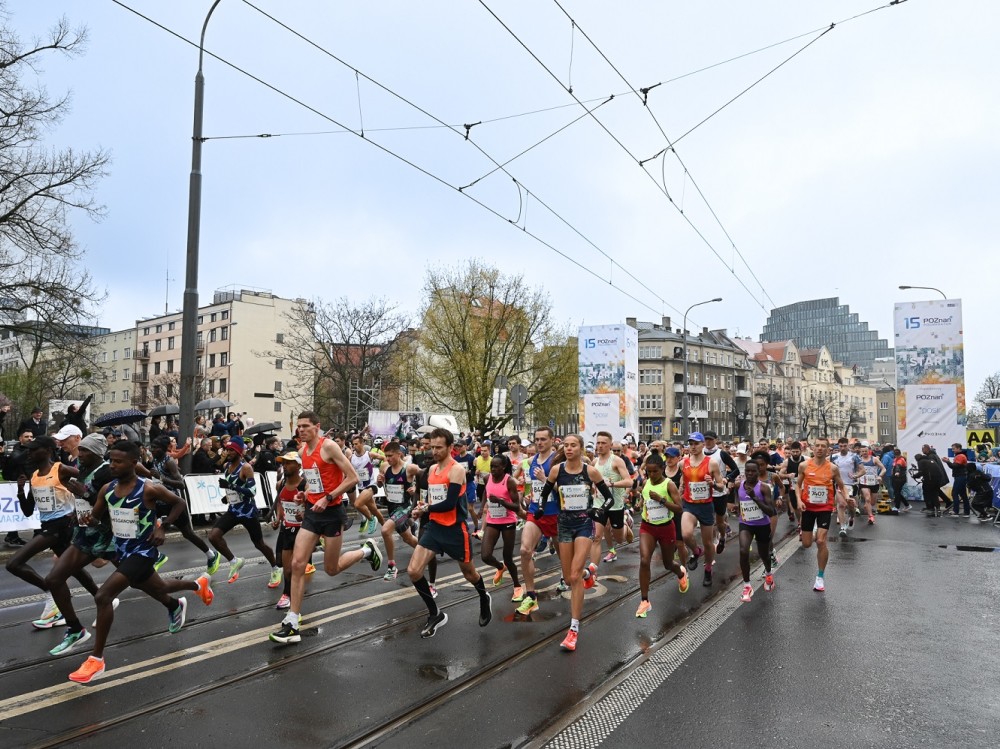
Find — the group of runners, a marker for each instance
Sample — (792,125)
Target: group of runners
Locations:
(99,504)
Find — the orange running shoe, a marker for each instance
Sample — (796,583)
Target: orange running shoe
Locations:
(644,608)
(569,643)
(205,590)
(498,577)
(685,582)
(310,568)
(588,583)
(91,670)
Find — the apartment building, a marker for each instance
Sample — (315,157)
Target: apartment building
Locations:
(115,386)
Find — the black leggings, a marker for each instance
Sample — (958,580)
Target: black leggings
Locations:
(897,493)
(490,536)
(749,533)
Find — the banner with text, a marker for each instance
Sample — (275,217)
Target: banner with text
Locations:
(608,380)
(930,375)
(206,496)
(11,517)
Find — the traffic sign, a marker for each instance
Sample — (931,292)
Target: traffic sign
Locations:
(657,427)
(993,417)
(976,437)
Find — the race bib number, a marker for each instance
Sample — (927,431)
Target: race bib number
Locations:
(233,497)
(363,475)
(314,482)
(436,494)
(818,495)
(749,510)
(124,522)
(45,498)
(293,512)
(657,512)
(536,490)
(480,479)
(497,512)
(83,509)
(395,494)
(870,478)
(700,491)
(575,498)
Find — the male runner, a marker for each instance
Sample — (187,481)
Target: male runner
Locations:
(818,480)
(849,465)
(721,495)
(328,474)
(702,479)
(616,475)
(789,472)
(364,503)
(398,481)
(536,527)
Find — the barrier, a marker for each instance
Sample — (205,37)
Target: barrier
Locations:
(205,496)
(11,517)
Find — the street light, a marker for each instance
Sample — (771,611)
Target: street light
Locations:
(685,411)
(925,288)
(189,320)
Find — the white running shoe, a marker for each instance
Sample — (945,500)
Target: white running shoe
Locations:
(114,607)
(819,586)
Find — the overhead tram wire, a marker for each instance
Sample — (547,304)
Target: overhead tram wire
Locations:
(499,166)
(403,159)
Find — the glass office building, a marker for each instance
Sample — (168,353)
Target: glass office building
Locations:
(827,322)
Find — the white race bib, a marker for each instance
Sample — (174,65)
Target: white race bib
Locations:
(314,482)
(363,475)
(45,498)
(293,512)
(395,494)
(700,491)
(233,497)
(436,494)
(657,512)
(575,497)
(750,511)
(496,511)
(536,490)
(818,495)
(83,508)
(124,522)
(870,478)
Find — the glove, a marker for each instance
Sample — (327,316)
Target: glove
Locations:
(598,515)
(223,482)
(538,512)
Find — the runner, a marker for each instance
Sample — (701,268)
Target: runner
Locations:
(502,508)
(817,482)
(672,459)
(849,465)
(50,496)
(130,502)
(871,480)
(467,460)
(721,495)
(364,503)
(482,467)
(538,526)
(398,480)
(288,515)
(575,481)
(702,479)
(328,474)
(617,476)
(756,510)
(788,472)
(445,532)
(661,502)
(767,475)
(237,481)
(165,471)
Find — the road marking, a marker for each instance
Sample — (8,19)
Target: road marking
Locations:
(29,702)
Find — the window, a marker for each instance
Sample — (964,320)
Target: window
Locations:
(211,387)
(214,317)
(170,390)
(650,402)
(649,352)
(156,392)
(128,353)
(222,384)
(104,357)
(103,397)
(694,378)
(158,345)
(279,338)
(277,406)
(211,360)
(692,355)
(277,386)
(225,332)
(211,334)
(113,394)
(201,319)
(170,366)
(145,331)
(170,343)
(125,396)
(225,314)
(883,418)
(650,376)
(159,328)
(279,363)
(171,326)
(114,375)
(114,355)
(126,374)
(223,359)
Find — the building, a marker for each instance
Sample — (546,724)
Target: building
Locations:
(115,385)
(827,322)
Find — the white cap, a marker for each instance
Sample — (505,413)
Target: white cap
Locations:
(741,449)
(68,430)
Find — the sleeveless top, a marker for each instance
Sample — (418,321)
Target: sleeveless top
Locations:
(52,499)
(655,512)
(364,468)
(574,492)
(292,510)
(321,477)
(750,512)
(241,492)
(817,486)
(437,492)
(697,481)
(498,514)
(396,486)
(612,475)
(552,505)
(132,521)
(871,477)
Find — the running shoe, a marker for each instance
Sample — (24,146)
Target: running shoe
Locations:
(286,634)
(178,616)
(14,542)
(70,641)
(91,670)
(283,603)
(850,521)
(114,607)
(275,579)
(518,595)
(871,520)
(769,583)
(692,562)
(55,620)
(553,549)
(310,568)
(843,531)
(485,610)
(213,565)
(906,508)
(747,593)
(362,529)
(478,534)
(684,583)
(234,568)
(720,547)
(644,608)
(540,546)
(375,560)
(611,556)
(433,624)
(562,586)
(204,591)
(498,576)
(820,585)
(434,591)
(519,525)
(50,608)
(372,525)
(569,644)
(390,573)
(588,583)
(774,559)
(707,581)
(528,605)
(160,561)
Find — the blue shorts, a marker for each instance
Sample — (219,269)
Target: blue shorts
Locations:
(704,512)
(572,527)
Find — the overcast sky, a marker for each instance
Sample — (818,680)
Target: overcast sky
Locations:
(867,161)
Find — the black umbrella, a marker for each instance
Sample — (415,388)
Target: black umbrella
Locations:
(124,416)
(211,404)
(169,409)
(267,426)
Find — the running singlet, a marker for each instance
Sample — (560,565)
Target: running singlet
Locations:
(574,491)
(552,505)
(83,504)
(396,485)
(750,511)
(611,475)
(498,514)
(321,477)
(52,499)
(132,521)
(793,469)
(817,486)
(655,512)
(848,465)
(292,511)
(364,468)
(870,477)
(240,493)
(437,492)
(716,456)
(697,481)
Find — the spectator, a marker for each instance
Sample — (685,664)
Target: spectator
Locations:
(932,478)
(219,427)
(155,428)
(17,465)
(959,465)
(200,430)
(4,410)
(35,423)
(171,429)
(202,461)
(266,460)
(233,424)
(78,416)
(888,458)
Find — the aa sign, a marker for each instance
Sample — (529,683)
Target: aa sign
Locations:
(976,437)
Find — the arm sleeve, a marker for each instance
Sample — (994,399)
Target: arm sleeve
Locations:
(547,490)
(450,502)
(605,490)
(733,473)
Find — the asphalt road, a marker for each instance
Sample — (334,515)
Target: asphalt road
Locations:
(900,650)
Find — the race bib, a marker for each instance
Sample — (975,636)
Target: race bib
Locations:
(700,491)
(536,490)
(233,497)
(45,498)
(657,512)
(395,494)
(749,510)
(293,512)
(436,494)
(575,497)
(818,495)
(363,475)
(496,511)
(870,478)
(480,479)
(83,509)
(124,522)
(314,482)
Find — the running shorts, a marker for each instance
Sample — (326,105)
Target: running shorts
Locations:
(616,518)
(95,543)
(812,519)
(401,517)
(330,523)
(704,512)
(572,527)
(137,569)
(664,533)
(59,532)
(452,540)
(720,501)
(286,536)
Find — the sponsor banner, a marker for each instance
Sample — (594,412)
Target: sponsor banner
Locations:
(601,413)
(11,517)
(399,424)
(932,420)
(206,496)
(609,366)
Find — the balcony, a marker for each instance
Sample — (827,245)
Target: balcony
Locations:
(743,394)
(692,389)
(698,413)
(141,378)
(141,354)
(199,345)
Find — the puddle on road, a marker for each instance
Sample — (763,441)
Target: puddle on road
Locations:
(535,616)
(443,673)
(970,548)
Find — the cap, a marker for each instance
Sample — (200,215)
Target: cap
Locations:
(290,457)
(68,430)
(44,441)
(696,437)
(94,443)
(709,434)
(525,443)
(379,440)
(673,452)
(36,410)
(741,449)
(237,444)
(487,442)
